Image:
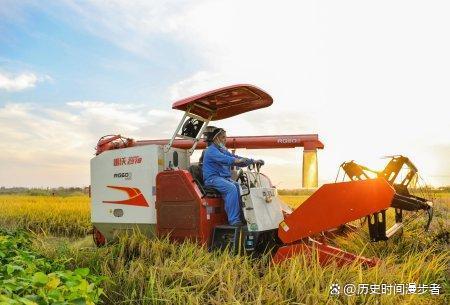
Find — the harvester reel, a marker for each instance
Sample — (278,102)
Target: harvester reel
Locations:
(402,201)
(430,213)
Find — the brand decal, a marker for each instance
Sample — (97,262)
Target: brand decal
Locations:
(127,160)
(287,140)
(135,196)
(126,176)
(268,193)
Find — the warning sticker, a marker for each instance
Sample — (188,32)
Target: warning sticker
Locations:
(284,226)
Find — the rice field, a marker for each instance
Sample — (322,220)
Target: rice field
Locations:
(54,215)
(61,216)
(294,201)
(143,271)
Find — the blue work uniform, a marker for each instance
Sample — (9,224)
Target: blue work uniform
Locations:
(217,164)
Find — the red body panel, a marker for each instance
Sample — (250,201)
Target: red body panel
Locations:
(335,204)
(226,102)
(308,141)
(325,254)
(111,142)
(181,211)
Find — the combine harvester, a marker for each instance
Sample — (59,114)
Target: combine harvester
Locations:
(151,185)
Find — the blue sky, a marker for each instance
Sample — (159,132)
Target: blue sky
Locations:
(371,78)
(80,65)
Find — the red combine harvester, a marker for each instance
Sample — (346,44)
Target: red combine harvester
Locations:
(152,185)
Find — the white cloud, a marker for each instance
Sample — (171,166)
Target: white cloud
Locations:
(14,10)
(18,82)
(369,82)
(200,81)
(132,25)
(51,146)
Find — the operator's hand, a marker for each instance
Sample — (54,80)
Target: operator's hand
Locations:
(240,161)
(246,161)
(249,162)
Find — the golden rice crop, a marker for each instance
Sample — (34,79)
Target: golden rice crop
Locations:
(155,271)
(62,216)
(294,201)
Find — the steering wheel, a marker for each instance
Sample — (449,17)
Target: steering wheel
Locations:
(239,175)
(255,165)
(243,180)
(258,166)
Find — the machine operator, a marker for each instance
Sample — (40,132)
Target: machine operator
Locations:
(217,162)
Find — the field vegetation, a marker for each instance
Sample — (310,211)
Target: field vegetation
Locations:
(28,278)
(154,271)
(54,215)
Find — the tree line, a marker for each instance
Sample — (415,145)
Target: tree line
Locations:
(56,191)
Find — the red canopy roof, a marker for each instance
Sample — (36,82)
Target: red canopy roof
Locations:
(226,102)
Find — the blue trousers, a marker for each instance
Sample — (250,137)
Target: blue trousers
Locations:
(230,193)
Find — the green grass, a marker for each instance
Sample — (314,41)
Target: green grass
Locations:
(28,278)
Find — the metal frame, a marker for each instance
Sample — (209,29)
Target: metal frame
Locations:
(188,114)
(401,201)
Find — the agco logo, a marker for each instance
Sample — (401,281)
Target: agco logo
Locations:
(126,176)
(127,160)
(286,140)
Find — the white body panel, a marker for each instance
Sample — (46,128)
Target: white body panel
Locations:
(134,168)
(262,209)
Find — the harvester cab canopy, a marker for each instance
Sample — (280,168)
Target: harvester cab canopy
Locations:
(225,102)
(215,105)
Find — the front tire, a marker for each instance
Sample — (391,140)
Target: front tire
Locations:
(99,238)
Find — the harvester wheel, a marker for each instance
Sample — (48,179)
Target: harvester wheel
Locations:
(98,237)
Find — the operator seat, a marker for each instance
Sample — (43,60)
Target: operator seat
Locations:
(197,173)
